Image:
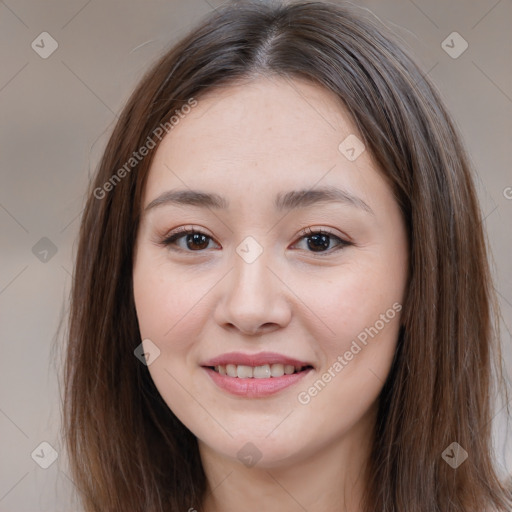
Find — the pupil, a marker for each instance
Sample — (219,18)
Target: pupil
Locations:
(321,240)
(197,240)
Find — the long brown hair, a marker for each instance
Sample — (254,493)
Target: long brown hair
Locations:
(127,450)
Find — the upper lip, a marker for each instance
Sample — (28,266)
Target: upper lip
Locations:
(259,359)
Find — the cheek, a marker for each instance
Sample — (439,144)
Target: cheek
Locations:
(360,307)
(168,305)
(170,311)
(360,313)
(352,301)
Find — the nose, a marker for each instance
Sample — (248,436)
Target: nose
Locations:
(253,299)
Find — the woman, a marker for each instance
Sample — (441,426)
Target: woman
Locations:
(281,297)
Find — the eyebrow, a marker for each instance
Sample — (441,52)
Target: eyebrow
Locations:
(283,201)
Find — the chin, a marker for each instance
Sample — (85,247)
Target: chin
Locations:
(259,451)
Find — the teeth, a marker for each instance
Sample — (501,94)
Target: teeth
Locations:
(277,370)
(257,372)
(231,370)
(289,369)
(261,372)
(244,372)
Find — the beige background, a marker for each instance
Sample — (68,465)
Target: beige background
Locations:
(55,116)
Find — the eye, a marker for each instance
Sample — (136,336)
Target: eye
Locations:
(322,241)
(186,239)
(192,240)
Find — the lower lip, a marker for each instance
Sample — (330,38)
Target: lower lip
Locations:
(255,388)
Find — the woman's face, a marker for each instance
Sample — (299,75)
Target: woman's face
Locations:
(299,259)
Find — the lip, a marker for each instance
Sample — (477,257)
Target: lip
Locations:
(259,359)
(255,388)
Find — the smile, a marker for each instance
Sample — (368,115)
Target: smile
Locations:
(256,382)
(265,371)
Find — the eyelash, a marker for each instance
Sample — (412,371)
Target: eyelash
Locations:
(170,240)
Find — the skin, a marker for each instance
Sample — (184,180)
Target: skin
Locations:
(248,142)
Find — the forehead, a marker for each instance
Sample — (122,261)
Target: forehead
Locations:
(264,108)
(269,132)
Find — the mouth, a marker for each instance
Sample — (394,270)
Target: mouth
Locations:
(255,375)
(265,371)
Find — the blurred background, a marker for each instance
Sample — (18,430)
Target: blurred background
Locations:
(67,68)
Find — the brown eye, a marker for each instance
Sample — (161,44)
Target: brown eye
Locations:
(194,241)
(323,241)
